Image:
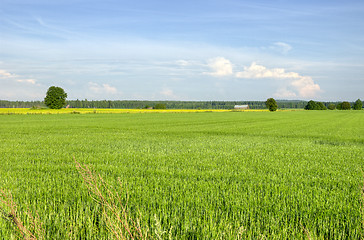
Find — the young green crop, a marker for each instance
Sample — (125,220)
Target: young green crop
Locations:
(229,175)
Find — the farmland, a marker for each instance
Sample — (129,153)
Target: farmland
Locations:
(199,175)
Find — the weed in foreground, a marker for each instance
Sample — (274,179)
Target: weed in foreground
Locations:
(9,211)
(115,212)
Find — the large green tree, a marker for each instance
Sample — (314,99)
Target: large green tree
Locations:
(55,98)
(311,105)
(345,106)
(271,104)
(358,105)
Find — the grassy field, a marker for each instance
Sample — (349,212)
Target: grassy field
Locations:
(206,175)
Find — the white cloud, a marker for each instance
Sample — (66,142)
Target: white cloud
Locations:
(182,63)
(31,81)
(284,93)
(306,87)
(103,88)
(13,87)
(15,78)
(220,67)
(259,71)
(6,74)
(296,86)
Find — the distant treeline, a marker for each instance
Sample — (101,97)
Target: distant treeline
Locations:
(135,104)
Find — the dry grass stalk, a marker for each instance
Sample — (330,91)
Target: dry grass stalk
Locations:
(115,212)
(241,231)
(9,211)
(307,233)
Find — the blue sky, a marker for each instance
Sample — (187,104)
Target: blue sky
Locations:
(182,50)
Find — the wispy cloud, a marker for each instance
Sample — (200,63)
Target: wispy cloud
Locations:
(281,47)
(35,27)
(284,93)
(220,67)
(183,63)
(103,88)
(16,78)
(13,86)
(167,93)
(6,74)
(31,81)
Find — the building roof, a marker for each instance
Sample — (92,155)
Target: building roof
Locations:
(241,106)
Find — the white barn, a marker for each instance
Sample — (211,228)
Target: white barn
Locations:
(241,107)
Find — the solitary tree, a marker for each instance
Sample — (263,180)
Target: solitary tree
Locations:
(55,98)
(358,105)
(271,104)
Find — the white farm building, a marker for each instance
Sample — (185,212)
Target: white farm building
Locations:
(241,107)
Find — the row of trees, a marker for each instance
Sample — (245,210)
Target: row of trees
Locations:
(358,105)
(312,105)
(130,104)
(137,104)
(272,105)
(56,98)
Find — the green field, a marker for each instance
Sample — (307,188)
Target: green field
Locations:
(211,175)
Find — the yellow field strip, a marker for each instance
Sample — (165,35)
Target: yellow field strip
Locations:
(105,110)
